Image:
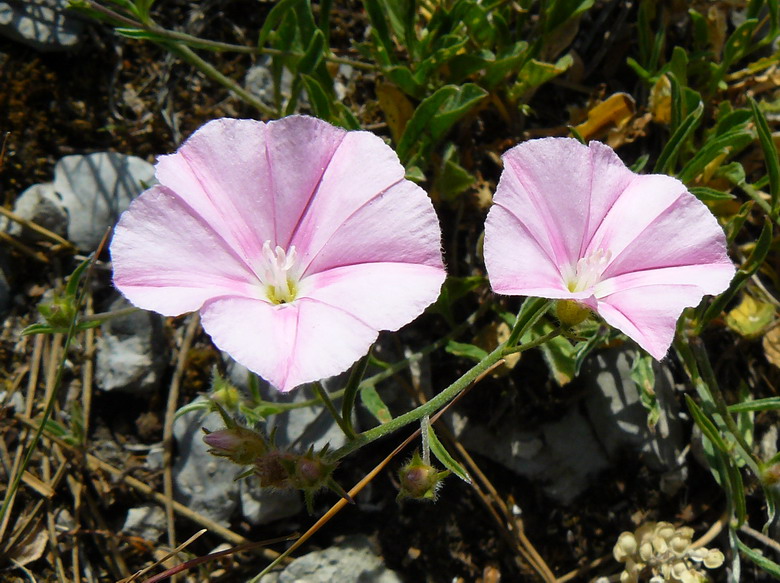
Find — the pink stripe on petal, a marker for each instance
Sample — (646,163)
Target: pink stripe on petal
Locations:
(300,149)
(167,259)
(645,199)
(516,263)
(711,279)
(221,171)
(362,168)
(399,226)
(555,175)
(385,296)
(685,233)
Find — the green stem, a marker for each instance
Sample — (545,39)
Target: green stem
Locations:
(194,41)
(105,316)
(703,377)
(531,311)
(191,57)
(324,398)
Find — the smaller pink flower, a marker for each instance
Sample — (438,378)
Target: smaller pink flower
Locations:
(297,241)
(572,222)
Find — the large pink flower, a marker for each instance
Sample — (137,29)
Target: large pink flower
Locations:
(572,222)
(297,241)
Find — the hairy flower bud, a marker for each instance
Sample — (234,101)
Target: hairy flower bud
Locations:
(239,444)
(419,480)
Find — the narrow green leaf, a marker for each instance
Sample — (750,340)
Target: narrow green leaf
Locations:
(770,403)
(738,43)
(421,119)
(707,427)
(666,160)
(459,104)
(705,193)
(445,458)
(320,102)
(465,350)
(380,32)
(770,154)
(759,559)
(373,402)
(729,143)
(273,19)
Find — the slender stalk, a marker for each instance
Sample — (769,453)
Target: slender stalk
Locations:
(196,42)
(531,311)
(191,57)
(324,398)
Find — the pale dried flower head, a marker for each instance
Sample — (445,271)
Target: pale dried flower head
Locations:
(660,553)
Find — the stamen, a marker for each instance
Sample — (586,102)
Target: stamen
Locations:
(280,284)
(589,270)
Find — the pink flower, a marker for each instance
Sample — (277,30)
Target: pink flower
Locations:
(572,222)
(297,241)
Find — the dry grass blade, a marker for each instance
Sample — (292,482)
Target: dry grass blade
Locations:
(160,561)
(36,228)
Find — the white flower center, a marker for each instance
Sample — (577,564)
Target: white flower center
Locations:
(279,278)
(589,270)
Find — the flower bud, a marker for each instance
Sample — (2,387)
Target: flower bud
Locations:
(571,313)
(419,480)
(59,311)
(311,472)
(239,444)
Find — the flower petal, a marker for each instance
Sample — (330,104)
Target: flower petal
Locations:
(363,168)
(222,172)
(385,296)
(399,226)
(547,184)
(300,150)
(167,259)
(516,262)
(673,229)
(649,314)
(290,344)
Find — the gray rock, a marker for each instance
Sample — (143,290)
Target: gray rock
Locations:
(264,505)
(620,420)
(131,351)
(567,454)
(95,189)
(45,25)
(351,561)
(146,521)
(41,205)
(563,455)
(204,482)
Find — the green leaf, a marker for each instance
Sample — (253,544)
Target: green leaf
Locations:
(421,119)
(738,42)
(770,154)
(559,12)
(643,375)
(273,19)
(380,33)
(373,402)
(455,107)
(445,458)
(320,102)
(759,559)
(466,350)
(536,73)
(705,193)
(668,157)
(729,143)
(767,404)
